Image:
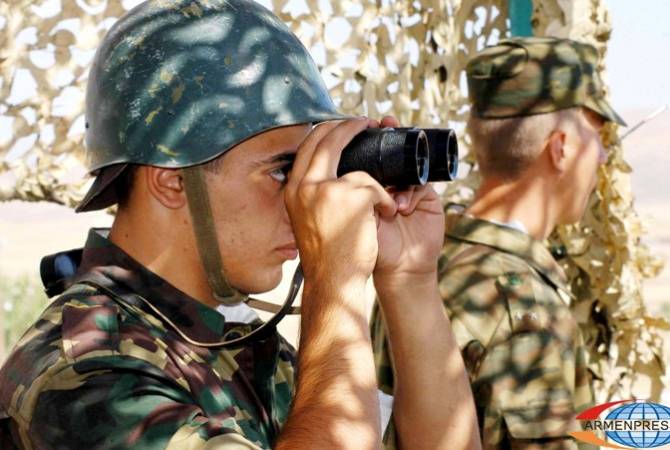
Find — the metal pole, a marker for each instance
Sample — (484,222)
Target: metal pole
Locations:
(520,15)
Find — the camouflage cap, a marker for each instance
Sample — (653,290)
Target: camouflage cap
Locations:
(526,76)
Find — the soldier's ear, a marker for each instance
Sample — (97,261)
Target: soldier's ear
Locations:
(556,150)
(166,186)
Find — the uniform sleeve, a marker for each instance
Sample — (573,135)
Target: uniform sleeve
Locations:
(119,402)
(531,378)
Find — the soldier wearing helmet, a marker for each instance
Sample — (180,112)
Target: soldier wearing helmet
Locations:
(537,112)
(199,125)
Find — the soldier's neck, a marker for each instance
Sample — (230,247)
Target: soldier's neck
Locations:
(524,200)
(163,250)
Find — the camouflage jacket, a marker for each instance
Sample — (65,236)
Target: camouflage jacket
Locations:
(508,303)
(100,369)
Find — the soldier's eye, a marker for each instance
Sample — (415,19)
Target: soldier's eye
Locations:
(280,174)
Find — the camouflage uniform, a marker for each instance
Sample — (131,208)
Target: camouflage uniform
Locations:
(506,297)
(101,369)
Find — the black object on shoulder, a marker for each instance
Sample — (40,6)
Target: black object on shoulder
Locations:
(58,269)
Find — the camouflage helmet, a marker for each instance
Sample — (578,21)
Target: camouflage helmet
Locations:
(177,83)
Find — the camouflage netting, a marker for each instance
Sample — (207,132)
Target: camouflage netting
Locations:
(378,57)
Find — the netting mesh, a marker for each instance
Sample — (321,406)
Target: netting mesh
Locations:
(377,57)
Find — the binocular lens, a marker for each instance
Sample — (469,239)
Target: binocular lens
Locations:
(443,154)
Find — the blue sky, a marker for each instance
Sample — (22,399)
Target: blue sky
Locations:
(638,62)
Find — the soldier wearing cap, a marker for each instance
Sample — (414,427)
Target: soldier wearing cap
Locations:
(199,119)
(537,111)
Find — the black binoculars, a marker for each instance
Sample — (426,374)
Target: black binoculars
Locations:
(402,156)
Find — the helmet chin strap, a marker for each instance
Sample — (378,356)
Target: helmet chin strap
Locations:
(205,236)
(208,248)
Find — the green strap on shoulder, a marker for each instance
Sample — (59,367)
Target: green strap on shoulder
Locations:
(205,236)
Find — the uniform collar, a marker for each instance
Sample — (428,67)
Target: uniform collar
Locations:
(107,265)
(512,241)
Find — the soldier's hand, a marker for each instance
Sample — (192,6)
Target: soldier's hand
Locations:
(335,219)
(410,241)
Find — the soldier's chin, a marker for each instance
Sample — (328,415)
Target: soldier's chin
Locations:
(260,282)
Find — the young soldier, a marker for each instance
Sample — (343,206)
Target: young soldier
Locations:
(195,111)
(537,112)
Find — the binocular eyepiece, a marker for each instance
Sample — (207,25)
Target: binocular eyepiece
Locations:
(402,156)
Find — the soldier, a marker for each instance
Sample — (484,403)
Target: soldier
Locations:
(195,113)
(537,112)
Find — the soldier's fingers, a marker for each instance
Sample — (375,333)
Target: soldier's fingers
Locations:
(404,198)
(326,156)
(307,147)
(389,121)
(382,201)
(419,194)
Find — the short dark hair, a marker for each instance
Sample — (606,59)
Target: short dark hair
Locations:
(214,166)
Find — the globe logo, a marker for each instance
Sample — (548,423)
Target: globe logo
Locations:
(641,437)
(629,423)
